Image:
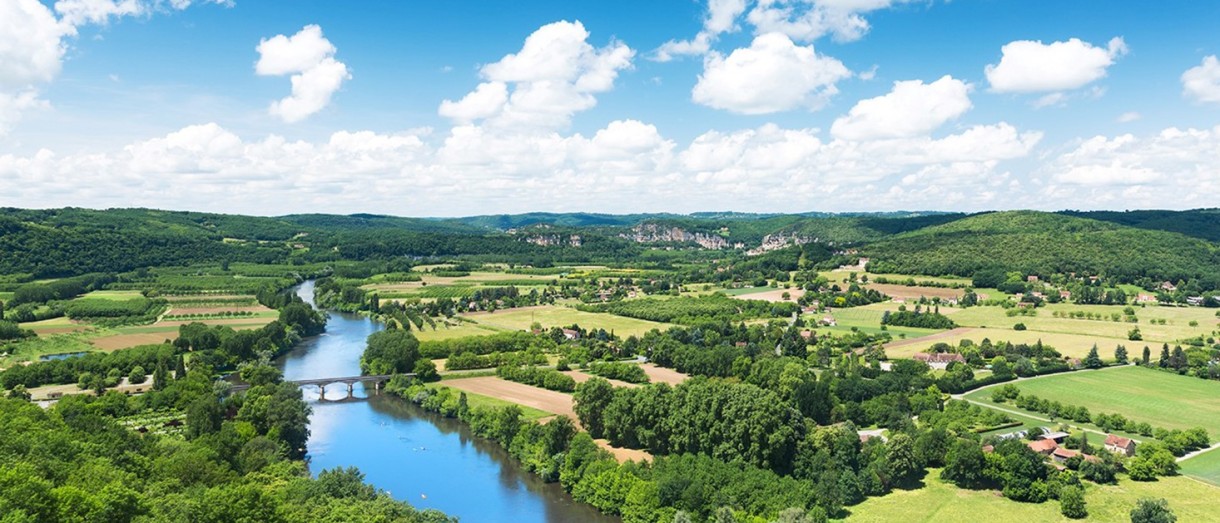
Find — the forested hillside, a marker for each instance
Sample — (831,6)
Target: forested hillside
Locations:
(1200,223)
(1148,245)
(1045,243)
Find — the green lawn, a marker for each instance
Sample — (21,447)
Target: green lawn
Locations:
(1160,398)
(1205,467)
(939,502)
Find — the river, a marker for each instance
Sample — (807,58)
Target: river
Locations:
(417,456)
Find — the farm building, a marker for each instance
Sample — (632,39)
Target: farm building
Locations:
(940,360)
(1060,455)
(1044,446)
(1120,445)
(1055,436)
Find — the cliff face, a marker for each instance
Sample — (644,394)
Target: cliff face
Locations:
(555,240)
(656,233)
(779,240)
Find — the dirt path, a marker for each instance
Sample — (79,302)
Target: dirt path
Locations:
(622,454)
(933,337)
(1189,455)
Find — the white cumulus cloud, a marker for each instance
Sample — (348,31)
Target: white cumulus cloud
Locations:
(309,57)
(31,53)
(556,74)
(1032,66)
(1202,82)
(772,75)
(911,108)
(1181,166)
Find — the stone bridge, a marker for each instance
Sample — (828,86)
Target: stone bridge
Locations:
(376,379)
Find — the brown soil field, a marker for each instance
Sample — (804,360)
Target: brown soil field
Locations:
(663,375)
(123,341)
(582,377)
(538,398)
(924,339)
(776,295)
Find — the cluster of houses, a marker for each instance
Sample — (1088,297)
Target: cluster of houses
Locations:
(1049,444)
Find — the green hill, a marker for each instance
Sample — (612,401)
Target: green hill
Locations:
(1047,243)
(1199,223)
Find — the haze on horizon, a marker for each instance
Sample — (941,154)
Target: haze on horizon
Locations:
(459,109)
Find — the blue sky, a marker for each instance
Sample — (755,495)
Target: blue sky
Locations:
(763,105)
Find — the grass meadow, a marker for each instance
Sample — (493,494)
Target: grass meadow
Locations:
(1160,398)
(938,501)
(1204,467)
(483,323)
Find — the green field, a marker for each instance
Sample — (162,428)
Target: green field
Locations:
(1072,337)
(1160,398)
(31,349)
(484,323)
(938,501)
(868,319)
(1177,321)
(1205,467)
(443,332)
(113,295)
(1072,345)
(742,291)
(837,276)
